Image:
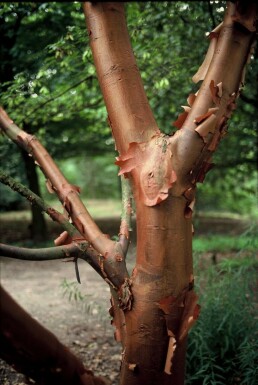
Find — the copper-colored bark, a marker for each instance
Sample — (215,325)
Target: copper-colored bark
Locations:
(164,171)
(232,44)
(111,256)
(33,350)
(129,113)
(153,323)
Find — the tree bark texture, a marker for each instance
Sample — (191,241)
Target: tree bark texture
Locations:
(154,308)
(36,352)
(163,171)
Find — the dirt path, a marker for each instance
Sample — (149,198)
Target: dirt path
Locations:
(37,288)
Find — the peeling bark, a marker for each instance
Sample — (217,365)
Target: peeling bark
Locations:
(164,171)
(154,309)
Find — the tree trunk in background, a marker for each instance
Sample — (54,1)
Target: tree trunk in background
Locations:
(36,352)
(38,228)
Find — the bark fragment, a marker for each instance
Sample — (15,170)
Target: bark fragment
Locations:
(216,92)
(62,239)
(201,118)
(189,209)
(180,314)
(203,69)
(170,353)
(190,314)
(206,127)
(152,161)
(180,120)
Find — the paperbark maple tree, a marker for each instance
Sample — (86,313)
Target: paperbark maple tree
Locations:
(154,308)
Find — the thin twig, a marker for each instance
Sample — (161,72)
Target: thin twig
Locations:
(41,254)
(110,255)
(74,250)
(59,95)
(211,14)
(36,200)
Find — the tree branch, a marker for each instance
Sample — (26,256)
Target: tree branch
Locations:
(129,112)
(43,254)
(211,14)
(36,200)
(204,122)
(111,258)
(74,250)
(57,183)
(59,95)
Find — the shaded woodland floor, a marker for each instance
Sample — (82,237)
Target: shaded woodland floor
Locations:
(86,330)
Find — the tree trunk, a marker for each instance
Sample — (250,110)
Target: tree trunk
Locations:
(35,351)
(162,273)
(153,309)
(38,228)
(164,171)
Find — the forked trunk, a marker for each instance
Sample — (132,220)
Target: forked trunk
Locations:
(162,278)
(163,171)
(153,309)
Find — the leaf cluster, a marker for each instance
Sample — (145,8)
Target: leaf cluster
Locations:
(49,84)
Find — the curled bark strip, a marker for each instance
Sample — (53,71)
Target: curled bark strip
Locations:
(63,239)
(201,118)
(202,71)
(170,353)
(191,98)
(180,120)
(189,194)
(190,314)
(132,367)
(206,127)
(189,209)
(180,314)
(216,92)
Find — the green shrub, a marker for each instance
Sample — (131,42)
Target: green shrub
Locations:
(222,346)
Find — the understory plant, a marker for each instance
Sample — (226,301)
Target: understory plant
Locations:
(223,345)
